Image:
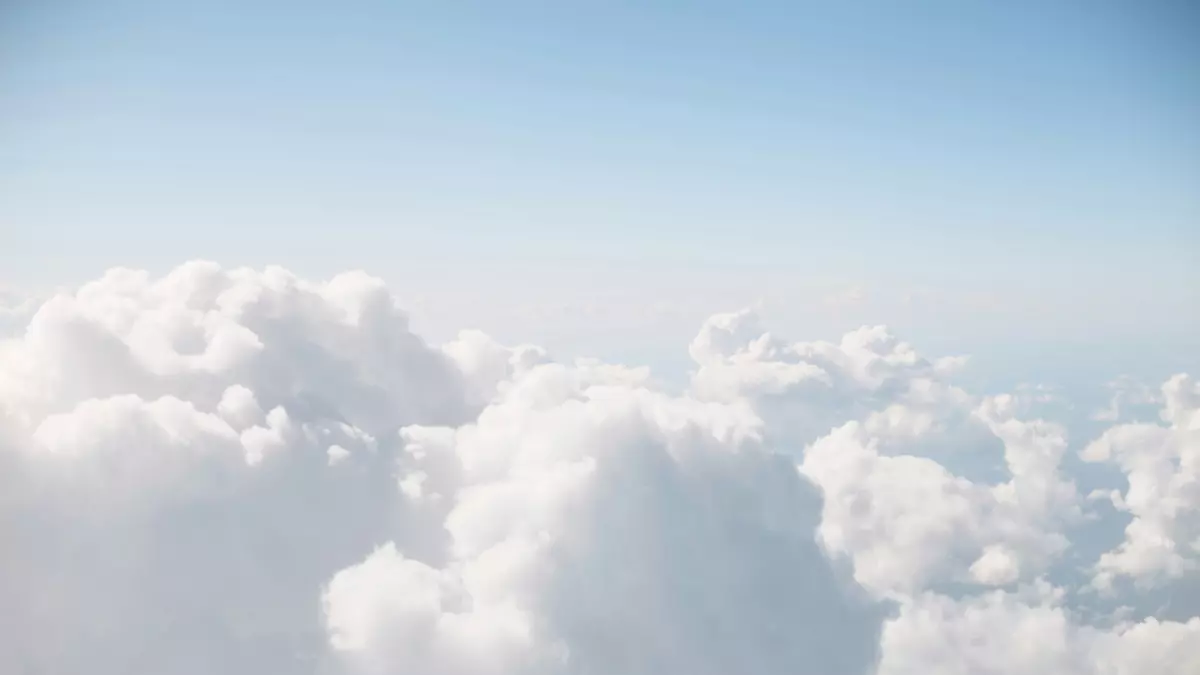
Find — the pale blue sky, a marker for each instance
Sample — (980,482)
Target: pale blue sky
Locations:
(498,156)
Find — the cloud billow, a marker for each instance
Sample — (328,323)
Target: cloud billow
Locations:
(242,471)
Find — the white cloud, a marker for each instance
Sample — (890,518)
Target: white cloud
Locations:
(881,419)
(998,565)
(1162,465)
(804,389)
(909,523)
(846,297)
(15,309)
(599,526)
(1029,631)
(167,500)
(1126,393)
(241,471)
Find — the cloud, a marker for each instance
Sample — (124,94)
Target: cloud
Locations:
(168,499)
(803,389)
(15,308)
(1161,463)
(230,470)
(1029,631)
(846,297)
(599,526)
(1126,393)
(908,522)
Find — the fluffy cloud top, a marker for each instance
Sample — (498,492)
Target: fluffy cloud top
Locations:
(241,471)
(1162,463)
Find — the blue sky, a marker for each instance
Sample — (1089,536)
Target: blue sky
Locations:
(1032,166)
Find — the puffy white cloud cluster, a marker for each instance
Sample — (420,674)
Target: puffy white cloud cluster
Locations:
(1029,631)
(240,471)
(863,416)
(596,525)
(1162,463)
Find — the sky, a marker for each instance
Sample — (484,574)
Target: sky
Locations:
(1025,168)
(483,338)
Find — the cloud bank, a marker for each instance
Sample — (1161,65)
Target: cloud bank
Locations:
(241,471)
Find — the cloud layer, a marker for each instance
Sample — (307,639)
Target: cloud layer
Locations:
(241,471)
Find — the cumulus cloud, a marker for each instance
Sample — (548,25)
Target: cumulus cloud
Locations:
(168,503)
(599,526)
(908,522)
(1161,463)
(242,471)
(1029,631)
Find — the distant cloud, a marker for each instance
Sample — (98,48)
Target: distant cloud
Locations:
(1126,393)
(846,297)
(242,471)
